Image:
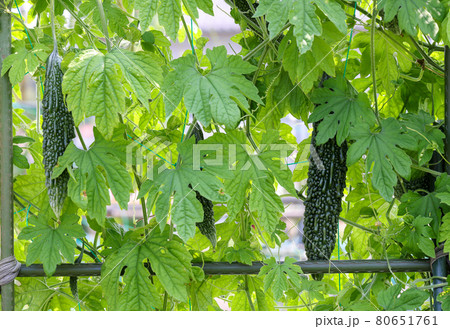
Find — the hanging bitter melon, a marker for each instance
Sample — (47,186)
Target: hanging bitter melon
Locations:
(326,182)
(58,131)
(244,8)
(422,182)
(207,226)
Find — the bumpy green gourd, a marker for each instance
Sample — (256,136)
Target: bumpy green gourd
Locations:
(326,182)
(422,182)
(244,8)
(207,226)
(58,131)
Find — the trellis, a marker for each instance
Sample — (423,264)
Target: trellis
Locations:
(438,266)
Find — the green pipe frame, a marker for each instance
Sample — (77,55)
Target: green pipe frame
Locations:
(440,266)
(6,154)
(223,268)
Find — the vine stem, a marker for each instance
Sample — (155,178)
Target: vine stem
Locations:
(244,238)
(80,137)
(425,55)
(188,135)
(256,28)
(165,301)
(247,292)
(263,26)
(104,24)
(264,43)
(191,42)
(260,232)
(142,200)
(255,77)
(52,20)
(372,59)
(249,134)
(351,223)
(81,22)
(21,22)
(27,201)
(427,170)
(93,250)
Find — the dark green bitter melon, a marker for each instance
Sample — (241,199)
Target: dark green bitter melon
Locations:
(421,183)
(58,131)
(244,8)
(207,226)
(326,182)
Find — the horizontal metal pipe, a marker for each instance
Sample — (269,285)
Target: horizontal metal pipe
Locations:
(222,268)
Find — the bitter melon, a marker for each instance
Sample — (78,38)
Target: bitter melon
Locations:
(58,131)
(421,183)
(326,182)
(244,8)
(207,226)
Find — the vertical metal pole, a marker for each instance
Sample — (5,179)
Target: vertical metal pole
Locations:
(6,152)
(439,267)
(447,108)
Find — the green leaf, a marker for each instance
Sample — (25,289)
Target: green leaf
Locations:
(444,232)
(142,70)
(93,87)
(19,160)
(409,300)
(32,186)
(301,14)
(306,68)
(104,154)
(139,294)
(32,294)
(241,252)
(146,9)
(281,98)
(334,12)
(257,171)
(425,206)
(115,16)
(444,298)
(169,14)
(444,197)
(240,302)
(266,203)
(94,84)
(276,275)
(416,236)
(22,62)
(383,152)
(169,259)
(203,295)
(341,107)
(410,14)
(424,233)
(387,298)
(49,243)
(428,136)
(186,209)
(390,58)
(218,94)
(22,139)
